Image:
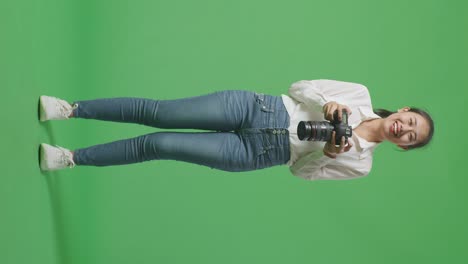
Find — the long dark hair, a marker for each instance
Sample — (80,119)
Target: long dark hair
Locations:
(385,113)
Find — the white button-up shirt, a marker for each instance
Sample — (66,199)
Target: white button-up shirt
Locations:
(305,103)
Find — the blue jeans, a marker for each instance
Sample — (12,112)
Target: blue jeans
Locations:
(250,130)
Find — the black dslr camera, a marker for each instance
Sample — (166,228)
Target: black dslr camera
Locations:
(322,130)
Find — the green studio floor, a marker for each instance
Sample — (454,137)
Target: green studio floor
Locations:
(410,209)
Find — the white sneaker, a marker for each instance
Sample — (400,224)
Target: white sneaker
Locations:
(53,108)
(55,158)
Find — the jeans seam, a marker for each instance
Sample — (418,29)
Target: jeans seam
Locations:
(155,112)
(221,99)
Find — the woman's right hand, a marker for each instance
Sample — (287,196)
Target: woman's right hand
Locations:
(331,150)
(330,108)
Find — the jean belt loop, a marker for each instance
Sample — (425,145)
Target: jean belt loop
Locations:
(260,97)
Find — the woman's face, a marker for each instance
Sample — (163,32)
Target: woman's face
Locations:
(405,128)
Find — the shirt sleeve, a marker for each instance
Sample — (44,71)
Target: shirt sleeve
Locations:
(318,166)
(316,93)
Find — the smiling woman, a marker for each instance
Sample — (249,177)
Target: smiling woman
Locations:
(408,128)
(249,130)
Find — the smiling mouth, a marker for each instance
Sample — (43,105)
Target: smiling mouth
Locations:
(394,129)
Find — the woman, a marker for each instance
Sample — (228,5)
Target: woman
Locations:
(251,130)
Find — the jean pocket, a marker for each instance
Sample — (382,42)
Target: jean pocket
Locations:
(263,150)
(262,157)
(260,99)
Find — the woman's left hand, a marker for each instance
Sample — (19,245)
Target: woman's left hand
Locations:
(331,150)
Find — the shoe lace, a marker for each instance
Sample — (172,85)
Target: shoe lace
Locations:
(66,157)
(65,109)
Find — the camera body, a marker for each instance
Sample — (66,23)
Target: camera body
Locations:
(322,130)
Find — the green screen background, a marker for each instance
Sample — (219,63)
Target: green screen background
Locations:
(410,209)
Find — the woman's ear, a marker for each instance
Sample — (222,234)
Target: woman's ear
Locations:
(404,109)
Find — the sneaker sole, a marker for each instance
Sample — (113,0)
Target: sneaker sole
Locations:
(42,115)
(42,156)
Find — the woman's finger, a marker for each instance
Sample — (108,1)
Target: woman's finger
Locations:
(333,138)
(326,110)
(337,109)
(340,112)
(342,144)
(330,112)
(348,147)
(329,155)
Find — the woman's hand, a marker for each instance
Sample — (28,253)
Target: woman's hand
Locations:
(331,150)
(330,108)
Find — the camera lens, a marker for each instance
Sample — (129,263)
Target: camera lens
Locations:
(314,130)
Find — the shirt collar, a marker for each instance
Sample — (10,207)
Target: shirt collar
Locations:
(365,148)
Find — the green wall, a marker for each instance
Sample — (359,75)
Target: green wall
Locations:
(410,209)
